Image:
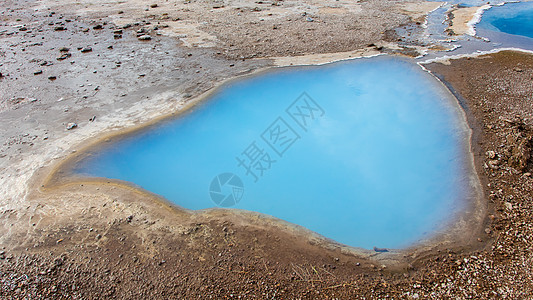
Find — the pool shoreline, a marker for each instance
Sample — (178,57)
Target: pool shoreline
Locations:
(55,180)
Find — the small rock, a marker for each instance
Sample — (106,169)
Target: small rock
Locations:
(309,19)
(117,36)
(64,49)
(92,119)
(508,205)
(129,218)
(52,78)
(488,231)
(154,5)
(99,26)
(491,154)
(38,72)
(59,241)
(376,249)
(71,126)
(98,236)
(60,28)
(493,164)
(145,37)
(86,49)
(118,31)
(64,56)
(518,69)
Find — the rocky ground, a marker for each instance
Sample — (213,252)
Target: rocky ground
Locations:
(72,72)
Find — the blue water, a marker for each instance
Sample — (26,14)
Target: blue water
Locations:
(511,18)
(368,152)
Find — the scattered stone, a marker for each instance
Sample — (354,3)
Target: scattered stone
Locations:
(488,231)
(97,27)
(154,5)
(118,31)
(23,29)
(491,154)
(494,164)
(59,241)
(376,249)
(64,56)
(38,72)
(98,236)
(71,126)
(309,19)
(86,49)
(117,36)
(144,37)
(60,28)
(92,119)
(52,78)
(64,49)
(129,218)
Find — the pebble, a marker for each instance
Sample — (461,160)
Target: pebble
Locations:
(86,49)
(38,72)
(71,126)
(145,37)
(64,56)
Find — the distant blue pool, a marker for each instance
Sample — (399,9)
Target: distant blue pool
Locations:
(368,152)
(511,18)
